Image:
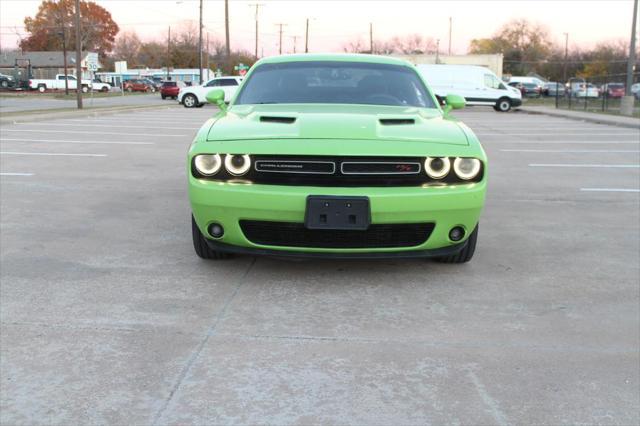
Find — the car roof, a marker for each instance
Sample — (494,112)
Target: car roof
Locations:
(338,57)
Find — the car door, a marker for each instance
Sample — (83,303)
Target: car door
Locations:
(494,89)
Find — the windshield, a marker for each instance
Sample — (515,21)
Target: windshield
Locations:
(335,82)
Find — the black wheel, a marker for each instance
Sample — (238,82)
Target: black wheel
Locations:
(41,88)
(503,104)
(190,101)
(466,253)
(200,244)
(104,89)
(84,89)
(163,97)
(4,84)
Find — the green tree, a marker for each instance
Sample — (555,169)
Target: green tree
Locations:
(523,44)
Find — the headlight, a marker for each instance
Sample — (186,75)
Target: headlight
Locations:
(208,164)
(437,167)
(466,168)
(237,165)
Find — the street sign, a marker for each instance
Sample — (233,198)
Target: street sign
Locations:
(91,60)
(121,67)
(241,68)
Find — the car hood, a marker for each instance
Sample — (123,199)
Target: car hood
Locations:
(323,121)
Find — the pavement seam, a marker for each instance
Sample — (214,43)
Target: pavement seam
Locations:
(492,405)
(196,353)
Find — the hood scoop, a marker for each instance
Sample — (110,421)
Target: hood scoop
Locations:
(275,119)
(397,121)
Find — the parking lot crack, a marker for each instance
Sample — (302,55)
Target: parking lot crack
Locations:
(196,352)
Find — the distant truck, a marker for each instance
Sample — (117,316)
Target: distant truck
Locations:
(478,85)
(58,83)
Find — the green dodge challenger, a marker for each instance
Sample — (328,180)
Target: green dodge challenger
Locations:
(339,156)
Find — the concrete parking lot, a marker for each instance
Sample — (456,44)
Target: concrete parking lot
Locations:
(108,316)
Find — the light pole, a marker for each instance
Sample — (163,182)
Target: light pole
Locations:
(200,45)
(78,57)
(626,107)
(566,55)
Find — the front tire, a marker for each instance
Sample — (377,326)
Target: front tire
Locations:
(190,101)
(503,105)
(163,97)
(466,253)
(84,89)
(200,244)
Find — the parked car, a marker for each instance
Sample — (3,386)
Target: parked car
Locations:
(58,84)
(552,88)
(613,90)
(531,90)
(527,79)
(171,89)
(138,85)
(153,83)
(578,89)
(635,90)
(196,96)
(364,164)
(478,85)
(7,81)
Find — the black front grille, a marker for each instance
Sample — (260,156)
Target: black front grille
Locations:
(292,234)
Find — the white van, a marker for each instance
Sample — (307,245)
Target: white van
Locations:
(478,85)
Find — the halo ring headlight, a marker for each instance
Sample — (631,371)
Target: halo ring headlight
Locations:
(237,165)
(466,168)
(437,167)
(208,164)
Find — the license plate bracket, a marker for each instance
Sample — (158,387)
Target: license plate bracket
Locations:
(336,212)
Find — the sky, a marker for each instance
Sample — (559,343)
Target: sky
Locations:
(333,23)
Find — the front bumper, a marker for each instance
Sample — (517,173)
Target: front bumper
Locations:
(515,102)
(227,203)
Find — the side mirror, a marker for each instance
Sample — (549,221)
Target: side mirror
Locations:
(216,97)
(454,102)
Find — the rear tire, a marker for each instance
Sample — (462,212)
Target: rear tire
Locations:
(84,89)
(200,244)
(42,88)
(503,105)
(163,97)
(466,253)
(190,101)
(104,89)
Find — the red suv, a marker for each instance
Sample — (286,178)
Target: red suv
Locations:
(170,89)
(138,85)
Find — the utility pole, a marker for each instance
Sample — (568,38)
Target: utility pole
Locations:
(280,47)
(207,52)
(200,45)
(450,25)
(78,57)
(257,6)
(566,56)
(306,38)
(626,106)
(226,27)
(168,52)
(371,37)
(64,46)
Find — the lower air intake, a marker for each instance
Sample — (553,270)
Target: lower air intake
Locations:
(293,234)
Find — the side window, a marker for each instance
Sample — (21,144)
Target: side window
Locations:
(61,77)
(213,83)
(228,82)
(491,82)
(70,78)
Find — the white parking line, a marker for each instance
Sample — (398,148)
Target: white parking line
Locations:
(572,150)
(534,142)
(609,190)
(556,133)
(111,126)
(77,142)
(16,174)
(51,154)
(164,135)
(604,166)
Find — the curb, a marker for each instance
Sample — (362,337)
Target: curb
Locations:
(597,118)
(42,116)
